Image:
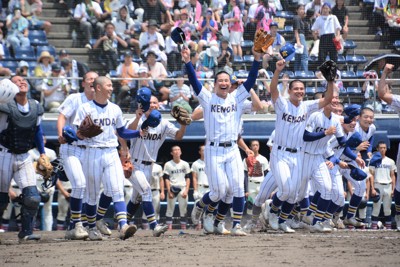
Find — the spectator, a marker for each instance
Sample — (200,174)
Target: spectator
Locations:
(89,15)
(327,27)
(195,12)
(283,86)
(384,180)
(5,71)
(225,58)
(177,181)
(316,6)
(379,16)
(235,28)
(109,46)
(155,10)
(17,26)
(180,94)
(78,69)
(392,15)
(55,89)
(216,7)
(273,51)
(369,88)
(152,40)
(342,13)
(208,29)
(264,14)
(174,58)
(43,68)
(157,72)
(299,28)
(124,27)
(31,10)
(185,25)
(209,60)
(127,69)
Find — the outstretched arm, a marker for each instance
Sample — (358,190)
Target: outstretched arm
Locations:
(382,87)
(251,80)
(190,70)
(274,82)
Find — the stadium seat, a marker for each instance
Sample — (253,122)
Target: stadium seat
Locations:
(32,65)
(237,60)
(241,74)
(50,48)
(12,65)
(113,74)
(310,90)
(288,72)
(38,37)
(356,59)
(304,74)
(349,44)
(284,14)
(248,58)
(24,53)
(270,73)
(7,55)
(177,73)
(341,59)
(247,44)
(347,74)
(360,74)
(137,59)
(354,90)
(396,44)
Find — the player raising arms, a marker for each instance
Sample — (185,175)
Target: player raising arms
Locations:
(224,169)
(394,101)
(287,153)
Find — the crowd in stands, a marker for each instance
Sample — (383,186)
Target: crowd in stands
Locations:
(131,38)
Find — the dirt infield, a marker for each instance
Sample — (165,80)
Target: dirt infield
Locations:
(343,248)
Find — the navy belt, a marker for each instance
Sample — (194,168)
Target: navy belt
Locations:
(147,163)
(5,150)
(288,149)
(227,144)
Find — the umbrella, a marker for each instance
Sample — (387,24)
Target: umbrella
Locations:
(390,59)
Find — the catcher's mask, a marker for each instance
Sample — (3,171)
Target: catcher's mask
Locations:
(58,173)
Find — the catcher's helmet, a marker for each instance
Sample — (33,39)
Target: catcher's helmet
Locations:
(143,98)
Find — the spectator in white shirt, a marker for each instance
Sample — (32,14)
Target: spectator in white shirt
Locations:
(55,89)
(179,94)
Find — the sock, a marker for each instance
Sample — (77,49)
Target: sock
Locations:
(294,212)
(104,203)
(304,205)
(397,201)
(131,209)
(211,208)
(388,222)
(353,205)
(204,201)
(91,215)
(286,209)
(256,213)
(5,225)
(148,210)
(60,225)
(374,223)
(275,204)
(338,211)
(331,210)
(120,213)
(83,215)
(76,210)
(183,223)
(168,220)
(322,206)
(145,224)
(313,203)
(238,207)
(222,210)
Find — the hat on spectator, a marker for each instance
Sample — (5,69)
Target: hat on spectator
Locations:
(22,64)
(142,70)
(151,52)
(209,11)
(45,54)
(152,22)
(65,62)
(327,4)
(223,39)
(213,42)
(273,24)
(287,52)
(128,54)
(212,51)
(184,12)
(63,52)
(55,67)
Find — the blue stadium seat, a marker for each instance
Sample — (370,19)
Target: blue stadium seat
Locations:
(310,90)
(313,59)
(113,73)
(37,37)
(50,48)
(12,65)
(24,53)
(349,44)
(7,55)
(237,60)
(177,73)
(288,72)
(347,74)
(354,90)
(247,44)
(341,59)
(248,58)
(137,59)
(284,14)
(270,73)
(360,74)
(396,44)
(356,59)
(304,74)
(241,74)
(32,65)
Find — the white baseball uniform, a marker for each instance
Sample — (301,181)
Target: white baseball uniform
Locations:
(287,155)
(101,161)
(396,105)
(199,167)
(177,174)
(156,174)
(144,151)
(72,155)
(314,164)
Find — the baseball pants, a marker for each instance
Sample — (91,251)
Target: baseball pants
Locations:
(337,186)
(63,203)
(183,202)
(385,199)
(359,187)
(140,180)
(267,187)
(47,209)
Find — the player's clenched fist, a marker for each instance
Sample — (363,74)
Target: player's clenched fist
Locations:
(363,146)
(388,68)
(331,130)
(185,53)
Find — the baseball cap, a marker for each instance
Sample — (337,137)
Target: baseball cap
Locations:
(376,160)
(153,120)
(127,54)
(234,79)
(354,141)
(352,110)
(273,24)
(69,134)
(142,70)
(55,67)
(63,52)
(377,197)
(22,64)
(357,174)
(287,52)
(152,22)
(143,98)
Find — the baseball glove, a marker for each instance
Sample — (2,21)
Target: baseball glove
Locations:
(88,128)
(250,162)
(329,70)
(44,167)
(262,40)
(127,167)
(181,115)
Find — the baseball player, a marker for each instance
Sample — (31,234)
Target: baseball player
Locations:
(222,113)
(14,192)
(199,178)
(64,192)
(177,182)
(157,190)
(20,129)
(382,180)
(287,152)
(144,151)
(101,163)
(394,101)
(71,155)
